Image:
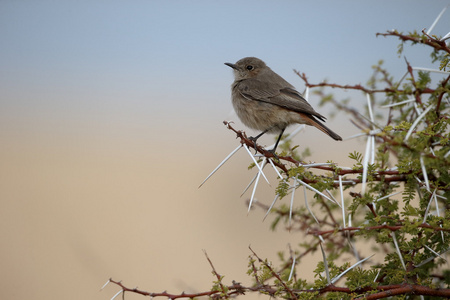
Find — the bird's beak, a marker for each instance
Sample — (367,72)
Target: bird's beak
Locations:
(231,65)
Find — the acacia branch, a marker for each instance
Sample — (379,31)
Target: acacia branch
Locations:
(441,94)
(286,288)
(237,288)
(377,227)
(438,45)
(358,87)
(378,175)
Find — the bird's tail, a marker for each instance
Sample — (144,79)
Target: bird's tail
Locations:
(316,123)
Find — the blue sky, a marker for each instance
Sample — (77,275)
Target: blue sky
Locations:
(134,59)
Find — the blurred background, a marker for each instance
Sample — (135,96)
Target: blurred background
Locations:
(111,116)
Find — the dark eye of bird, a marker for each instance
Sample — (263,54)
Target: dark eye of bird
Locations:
(249,68)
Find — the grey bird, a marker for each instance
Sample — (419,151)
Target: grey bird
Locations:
(263,100)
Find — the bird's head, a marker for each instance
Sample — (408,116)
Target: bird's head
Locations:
(247,67)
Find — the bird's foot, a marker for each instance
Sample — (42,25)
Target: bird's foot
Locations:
(273,153)
(254,139)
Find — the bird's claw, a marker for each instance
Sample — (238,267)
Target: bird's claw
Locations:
(254,143)
(273,153)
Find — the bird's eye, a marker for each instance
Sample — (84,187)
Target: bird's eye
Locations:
(249,67)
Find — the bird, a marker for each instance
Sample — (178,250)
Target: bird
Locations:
(264,101)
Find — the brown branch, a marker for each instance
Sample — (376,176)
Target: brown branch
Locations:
(251,144)
(379,175)
(396,176)
(358,87)
(237,288)
(377,227)
(441,94)
(416,92)
(245,140)
(255,273)
(438,45)
(406,289)
(218,276)
(162,294)
(287,289)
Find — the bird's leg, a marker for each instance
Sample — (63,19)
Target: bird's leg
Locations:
(278,140)
(254,139)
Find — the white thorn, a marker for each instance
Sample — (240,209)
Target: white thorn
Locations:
(307,206)
(325,262)
(376,277)
(447,154)
(355,136)
(447,36)
(256,185)
(403,77)
(372,154)
(292,269)
(256,163)
(223,161)
(431,258)
(437,212)
(270,208)
(316,165)
(254,190)
(430,70)
(249,185)
(436,20)
(109,280)
(275,168)
(384,197)
(342,199)
(399,103)
(292,199)
(369,105)
(434,252)
(306,94)
(365,166)
(398,249)
(331,196)
(424,172)
(413,126)
(118,293)
(313,189)
(417,109)
(348,269)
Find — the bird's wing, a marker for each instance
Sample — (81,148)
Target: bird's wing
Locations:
(286,97)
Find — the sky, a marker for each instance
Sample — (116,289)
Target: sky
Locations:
(95,59)
(111,115)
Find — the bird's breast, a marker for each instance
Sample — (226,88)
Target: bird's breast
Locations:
(260,115)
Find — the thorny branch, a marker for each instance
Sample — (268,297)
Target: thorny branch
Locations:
(378,175)
(275,274)
(218,276)
(273,290)
(389,227)
(428,40)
